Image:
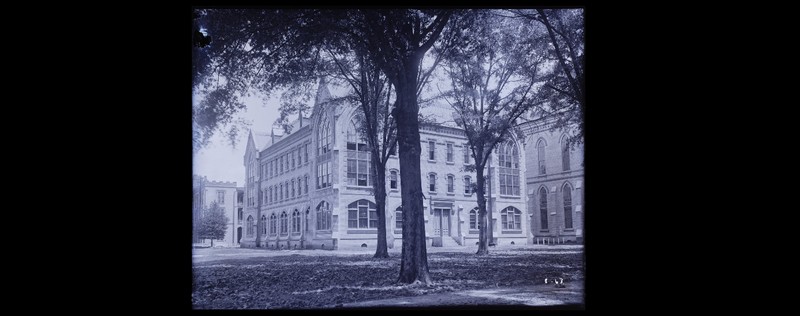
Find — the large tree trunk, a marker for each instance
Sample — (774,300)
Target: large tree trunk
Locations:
(483,233)
(379,185)
(414,262)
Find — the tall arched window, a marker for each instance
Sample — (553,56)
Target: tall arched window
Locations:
(467,185)
(432,182)
(273,225)
(323,216)
(567,192)
(540,153)
(284,223)
(362,214)
(473,218)
(293,187)
(358,158)
(511,218)
(287,189)
(296,221)
(323,136)
(543,207)
(280,193)
(565,153)
(250,226)
(398,217)
(305,184)
(263,225)
(509,168)
(323,153)
(269,196)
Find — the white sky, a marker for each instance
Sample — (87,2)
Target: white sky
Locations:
(219,161)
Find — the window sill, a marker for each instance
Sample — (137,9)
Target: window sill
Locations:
(368,231)
(451,162)
(432,192)
(474,231)
(393,190)
(468,194)
(358,187)
(431,161)
(510,196)
(511,231)
(451,194)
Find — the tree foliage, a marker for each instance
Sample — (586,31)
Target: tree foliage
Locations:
(494,77)
(565,87)
(213,223)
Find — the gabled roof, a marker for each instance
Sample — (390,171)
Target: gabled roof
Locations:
(261,140)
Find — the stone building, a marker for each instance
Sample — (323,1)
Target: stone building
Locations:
(228,196)
(554,181)
(311,188)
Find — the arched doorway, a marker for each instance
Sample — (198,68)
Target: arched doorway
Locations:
(238,235)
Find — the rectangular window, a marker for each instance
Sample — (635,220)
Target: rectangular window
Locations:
(363,220)
(362,172)
(352,218)
(450,184)
(305,183)
(306,154)
(292,188)
(393,179)
(221,197)
(466,154)
(431,150)
(293,160)
(432,182)
(467,186)
(281,164)
(299,157)
(398,220)
(373,218)
(449,152)
(473,220)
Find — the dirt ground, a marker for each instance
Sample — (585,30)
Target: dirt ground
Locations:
(236,278)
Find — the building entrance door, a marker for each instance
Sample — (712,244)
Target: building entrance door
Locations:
(441,222)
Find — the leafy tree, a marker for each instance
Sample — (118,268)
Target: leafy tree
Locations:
(494,77)
(564,90)
(372,91)
(269,48)
(213,223)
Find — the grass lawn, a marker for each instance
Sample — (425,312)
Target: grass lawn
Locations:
(302,281)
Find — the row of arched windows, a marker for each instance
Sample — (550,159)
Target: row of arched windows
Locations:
(510,218)
(565,152)
(543,207)
(275,222)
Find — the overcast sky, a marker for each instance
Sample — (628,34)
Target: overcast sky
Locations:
(219,161)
